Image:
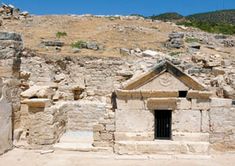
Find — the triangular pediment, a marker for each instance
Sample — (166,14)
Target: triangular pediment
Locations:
(164,77)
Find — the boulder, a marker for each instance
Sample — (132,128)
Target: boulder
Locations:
(10,36)
(38,92)
(50,43)
(229,92)
(124,51)
(92,46)
(195,45)
(175,40)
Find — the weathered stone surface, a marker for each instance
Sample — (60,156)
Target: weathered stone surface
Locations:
(220,102)
(135,136)
(175,40)
(222,122)
(5,126)
(10,36)
(126,121)
(160,147)
(53,43)
(201,104)
(150,53)
(190,117)
(229,92)
(38,92)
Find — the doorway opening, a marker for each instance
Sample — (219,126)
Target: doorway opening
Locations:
(163,124)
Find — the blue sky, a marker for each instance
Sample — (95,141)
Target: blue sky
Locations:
(123,7)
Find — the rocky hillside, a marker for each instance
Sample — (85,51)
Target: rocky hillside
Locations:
(221,16)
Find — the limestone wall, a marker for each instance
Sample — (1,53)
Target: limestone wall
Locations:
(222,124)
(10,48)
(133,116)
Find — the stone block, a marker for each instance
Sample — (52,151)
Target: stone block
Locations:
(131,104)
(162,103)
(5,126)
(97,136)
(110,127)
(10,36)
(102,144)
(186,121)
(98,127)
(184,104)
(134,121)
(201,104)
(220,102)
(193,94)
(106,136)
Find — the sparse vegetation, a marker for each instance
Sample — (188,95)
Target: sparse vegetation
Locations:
(222,21)
(78,44)
(191,40)
(61,34)
(211,27)
(175,53)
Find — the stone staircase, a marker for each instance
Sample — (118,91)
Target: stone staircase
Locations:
(78,141)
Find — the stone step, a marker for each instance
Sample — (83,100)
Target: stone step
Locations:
(81,147)
(193,137)
(77,137)
(161,147)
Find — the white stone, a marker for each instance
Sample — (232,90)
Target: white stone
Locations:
(150,53)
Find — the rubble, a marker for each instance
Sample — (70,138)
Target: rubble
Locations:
(175,40)
(11,12)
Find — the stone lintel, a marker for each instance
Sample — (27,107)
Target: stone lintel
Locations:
(162,103)
(145,94)
(38,103)
(194,94)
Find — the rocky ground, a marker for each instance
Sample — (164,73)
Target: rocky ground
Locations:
(61,158)
(108,34)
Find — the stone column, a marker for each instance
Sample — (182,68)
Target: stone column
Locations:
(10,48)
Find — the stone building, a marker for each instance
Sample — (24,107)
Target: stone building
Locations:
(104,104)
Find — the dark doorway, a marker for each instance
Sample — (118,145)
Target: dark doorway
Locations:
(163,124)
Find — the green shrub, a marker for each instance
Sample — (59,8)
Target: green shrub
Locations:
(78,44)
(61,34)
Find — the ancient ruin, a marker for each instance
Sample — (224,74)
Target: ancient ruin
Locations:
(111,104)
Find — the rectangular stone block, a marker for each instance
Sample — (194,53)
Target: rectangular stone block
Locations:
(219,102)
(162,103)
(184,104)
(131,104)
(98,127)
(106,136)
(134,120)
(186,121)
(200,104)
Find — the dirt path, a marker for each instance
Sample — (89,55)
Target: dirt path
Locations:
(61,158)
